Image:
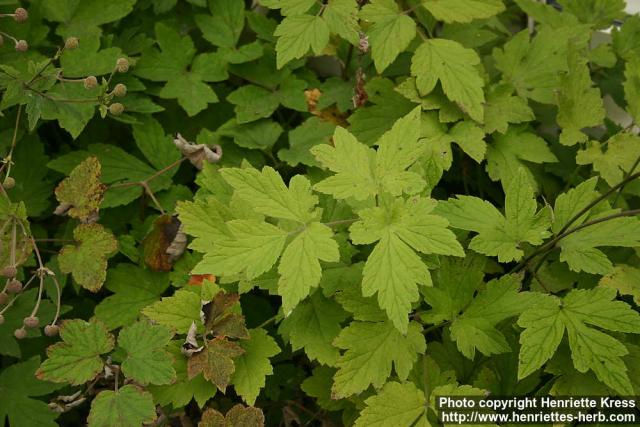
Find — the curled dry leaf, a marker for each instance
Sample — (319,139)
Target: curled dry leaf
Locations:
(198,153)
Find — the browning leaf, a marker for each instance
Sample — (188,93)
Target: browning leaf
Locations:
(81,193)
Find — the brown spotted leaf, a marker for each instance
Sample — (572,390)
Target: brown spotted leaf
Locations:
(215,362)
(220,321)
(155,244)
(81,193)
(245,416)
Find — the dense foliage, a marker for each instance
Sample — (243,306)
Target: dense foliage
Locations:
(305,212)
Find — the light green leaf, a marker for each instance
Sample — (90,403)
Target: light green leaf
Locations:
(80,194)
(394,269)
(463,10)
(177,311)
(396,405)
(625,279)
(299,33)
(313,325)
(341,17)
(390,33)
(253,366)
(569,204)
(299,266)
(502,108)
(621,152)
(371,350)
(596,13)
(591,349)
(87,261)
(579,103)
(127,407)
(147,362)
(632,88)
(456,69)
(500,235)
(76,359)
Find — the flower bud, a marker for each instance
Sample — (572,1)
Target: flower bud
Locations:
(10,271)
(20,333)
(122,65)
(51,330)
(20,15)
(120,90)
(116,108)
(90,82)
(14,286)
(31,322)
(22,46)
(71,43)
(4,297)
(9,183)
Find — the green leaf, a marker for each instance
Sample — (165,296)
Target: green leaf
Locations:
(463,10)
(579,248)
(191,92)
(255,102)
(268,195)
(395,405)
(177,311)
(515,150)
(155,144)
(341,18)
(579,103)
(625,39)
(362,172)
(390,33)
(394,269)
(81,193)
(313,325)
(303,138)
(625,279)
(632,88)
(89,59)
(134,289)
(470,138)
(476,328)
(591,349)
(18,382)
(502,108)
(253,366)
(371,349)
(572,202)
(128,406)
(87,261)
(253,249)
(76,359)
(299,267)
(621,152)
(455,67)
(224,25)
(596,13)
(299,33)
(500,235)
(147,362)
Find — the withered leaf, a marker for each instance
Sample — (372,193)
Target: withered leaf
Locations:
(245,416)
(215,362)
(156,244)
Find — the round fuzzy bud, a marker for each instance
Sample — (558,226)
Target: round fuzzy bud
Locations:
(51,330)
(1,319)
(22,46)
(122,65)
(31,322)
(21,15)
(14,286)
(10,271)
(71,43)
(116,108)
(4,297)
(9,183)
(90,82)
(120,90)
(20,333)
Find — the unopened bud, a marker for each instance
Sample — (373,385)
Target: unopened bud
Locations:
(51,330)
(90,82)
(20,333)
(10,271)
(14,286)
(4,297)
(71,43)
(9,183)
(120,90)
(116,108)
(31,322)
(21,15)
(22,46)
(122,65)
